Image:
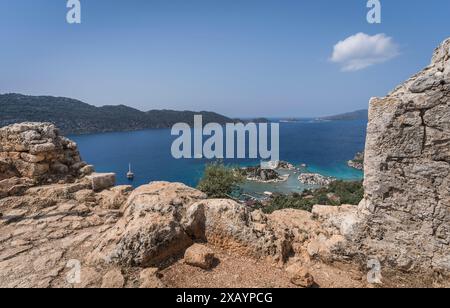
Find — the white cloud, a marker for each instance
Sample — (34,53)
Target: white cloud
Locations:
(360,51)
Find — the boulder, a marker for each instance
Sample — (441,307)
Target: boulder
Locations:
(150,230)
(199,256)
(228,225)
(101,181)
(161,220)
(300,276)
(297,226)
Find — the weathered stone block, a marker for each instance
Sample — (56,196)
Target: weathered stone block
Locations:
(32,158)
(42,148)
(101,181)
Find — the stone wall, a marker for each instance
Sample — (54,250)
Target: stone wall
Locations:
(36,151)
(407,171)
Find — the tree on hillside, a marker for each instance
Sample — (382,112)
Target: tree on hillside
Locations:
(220,181)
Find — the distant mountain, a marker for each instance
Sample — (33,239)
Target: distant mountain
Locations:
(355,115)
(75,117)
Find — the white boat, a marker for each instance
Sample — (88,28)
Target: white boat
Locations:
(130,174)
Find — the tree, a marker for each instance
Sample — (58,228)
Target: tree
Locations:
(220,181)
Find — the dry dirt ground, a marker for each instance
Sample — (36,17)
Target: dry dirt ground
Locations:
(242,272)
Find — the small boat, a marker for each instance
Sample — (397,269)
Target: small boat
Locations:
(130,174)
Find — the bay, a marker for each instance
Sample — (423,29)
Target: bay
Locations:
(324,146)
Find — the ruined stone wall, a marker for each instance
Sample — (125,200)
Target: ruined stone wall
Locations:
(37,152)
(407,171)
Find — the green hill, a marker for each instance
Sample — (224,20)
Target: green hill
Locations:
(75,117)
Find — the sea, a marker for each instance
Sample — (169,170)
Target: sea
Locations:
(323,146)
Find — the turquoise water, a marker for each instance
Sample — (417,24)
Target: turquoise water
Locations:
(324,146)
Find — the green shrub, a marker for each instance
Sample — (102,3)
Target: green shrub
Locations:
(281,202)
(220,182)
(344,193)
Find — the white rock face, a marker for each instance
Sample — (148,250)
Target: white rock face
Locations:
(407,171)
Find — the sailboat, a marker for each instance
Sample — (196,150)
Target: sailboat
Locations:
(130,174)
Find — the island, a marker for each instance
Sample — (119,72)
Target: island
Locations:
(349,116)
(357,162)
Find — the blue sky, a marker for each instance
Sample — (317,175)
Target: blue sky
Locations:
(236,57)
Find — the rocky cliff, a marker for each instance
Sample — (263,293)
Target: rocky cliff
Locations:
(407,171)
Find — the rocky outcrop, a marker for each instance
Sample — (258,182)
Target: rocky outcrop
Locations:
(236,228)
(407,172)
(151,229)
(47,230)
(162,220)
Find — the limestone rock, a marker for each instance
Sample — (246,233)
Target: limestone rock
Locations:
(42,148)
(407,172)
(32,158)
(228,225)
(101,181)
(37,151)
(199,256)
(150,230)
(345,219)
(300,276)
(115,197)
(297,228)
